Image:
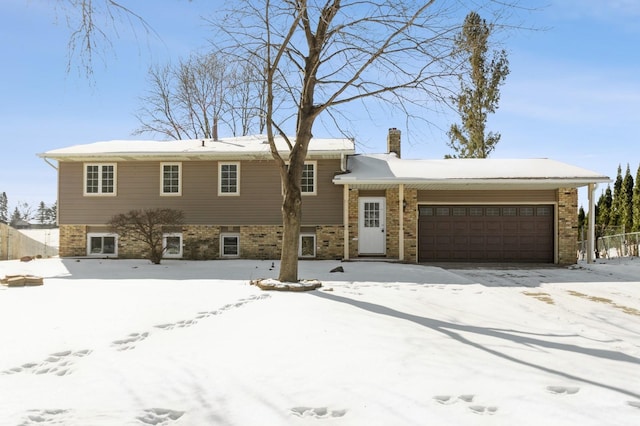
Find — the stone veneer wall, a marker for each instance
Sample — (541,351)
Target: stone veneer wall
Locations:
(353,223)
(203,242)
(73,240)
(567,225)
(393,223)
(411,226)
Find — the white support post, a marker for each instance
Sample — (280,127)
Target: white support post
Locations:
(592,222)
(345,220)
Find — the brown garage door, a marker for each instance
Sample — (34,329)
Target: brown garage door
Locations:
(489,233)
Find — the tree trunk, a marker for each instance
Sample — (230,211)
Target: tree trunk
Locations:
(292,200)
(291,218)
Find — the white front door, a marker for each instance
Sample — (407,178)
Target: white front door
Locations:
(371,230)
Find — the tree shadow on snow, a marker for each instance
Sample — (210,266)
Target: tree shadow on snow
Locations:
(453,331)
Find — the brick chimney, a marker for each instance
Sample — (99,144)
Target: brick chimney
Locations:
(393,141)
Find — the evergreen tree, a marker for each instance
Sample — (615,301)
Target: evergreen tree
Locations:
(53,214)
(635,201)
(626,202)
(582,221)
(42,213)
(4,208)
(15,217)
(481,94)
(603,217)
(616,206)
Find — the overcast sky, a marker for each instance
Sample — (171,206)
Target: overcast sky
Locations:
(573,93)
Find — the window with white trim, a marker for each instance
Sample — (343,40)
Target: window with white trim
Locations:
(229,178)
(100,179)
(172,244)
(102,244)
(308,183)
(229,245)
(170,178)
(307,245)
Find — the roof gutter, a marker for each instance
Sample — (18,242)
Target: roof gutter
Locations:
(346,180)
(177,155)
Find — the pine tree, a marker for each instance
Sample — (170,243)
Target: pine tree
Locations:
(603,217)
(52,214)
(635,201)
(15,217)
(582,221)
(4,208)
(626,202)
(42,213)
(481,94)
(616,206)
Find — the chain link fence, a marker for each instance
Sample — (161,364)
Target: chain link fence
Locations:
(610,246)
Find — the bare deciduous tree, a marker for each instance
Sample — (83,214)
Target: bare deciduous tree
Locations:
(93,25)
(190,100)
(325,55)
(146,226)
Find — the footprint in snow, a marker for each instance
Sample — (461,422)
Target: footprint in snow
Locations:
(481,409)
(466,398)
(319,412)
(45,417)
(563,390)
(130,341)
(448,399)
(57,363)
(159,416)
(205,314)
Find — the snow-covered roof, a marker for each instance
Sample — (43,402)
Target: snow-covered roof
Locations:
(236,147)
(386,170)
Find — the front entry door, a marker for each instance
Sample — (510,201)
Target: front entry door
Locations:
(372,236)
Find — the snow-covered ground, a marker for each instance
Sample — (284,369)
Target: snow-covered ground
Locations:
(124,342)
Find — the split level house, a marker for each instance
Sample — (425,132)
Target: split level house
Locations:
(354,205)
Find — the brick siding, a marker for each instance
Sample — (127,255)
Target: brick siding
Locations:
(567,225)
(203,242)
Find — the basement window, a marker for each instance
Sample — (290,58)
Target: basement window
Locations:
(230,245)
(172,245)
(307,245)
(102,245)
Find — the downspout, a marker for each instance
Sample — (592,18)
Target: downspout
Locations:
(345,219)
(46,160)
(401,222)
(592,223)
